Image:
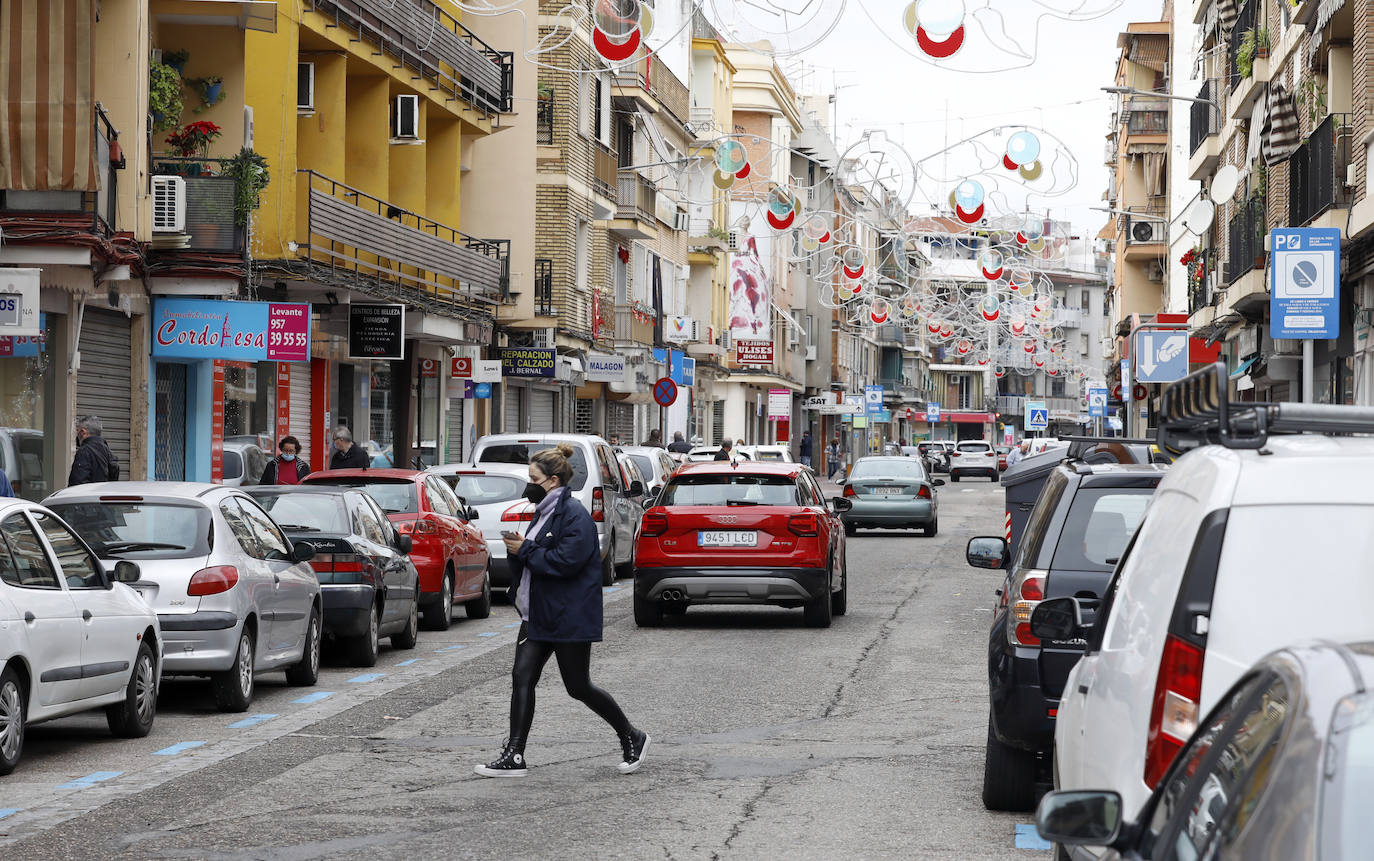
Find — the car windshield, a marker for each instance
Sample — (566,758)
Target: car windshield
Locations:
(645,464)
(395,496)
(1100,523)
(768,454)
(486,489)
(520,452)
(974,446)
(140,530)
(306,512)
(887,468)
(1349,785)
(730,489)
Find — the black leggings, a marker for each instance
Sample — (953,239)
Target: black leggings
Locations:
(574,664)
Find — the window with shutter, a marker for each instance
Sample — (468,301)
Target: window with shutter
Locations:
(584,117)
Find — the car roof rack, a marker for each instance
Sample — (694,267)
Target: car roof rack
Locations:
(1197,410)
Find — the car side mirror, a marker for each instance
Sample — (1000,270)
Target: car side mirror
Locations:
(636,488)
(470,513)
(1057,619)
(1080,818)
(302,552)
(126,572)
(986,552)
(939,482)
(404,543)
(840,505)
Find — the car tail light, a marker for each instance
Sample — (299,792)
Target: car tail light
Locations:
(955,454)
(418,526)
(212,581)
(654,524)
(1173,717)
(521,512)
(598,505)
(849,490)
(337,563)
(1027,592)
(805,525)
(923,493)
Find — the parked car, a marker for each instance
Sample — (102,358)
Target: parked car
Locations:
(369,587)
(973,457)
(890,493)
(598,484)
(775,453)
(495,494)
(1254,541)
(705,453)
(655,465)
(21,457)
(73,635)
(756,533)
(1002,452)
(243,464)
(936,453)
(1280,768)
(382,458)
(1078,529)
(447,551)
(233,595)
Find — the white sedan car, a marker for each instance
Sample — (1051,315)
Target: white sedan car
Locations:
(233,595)
(72,638)
(496,494)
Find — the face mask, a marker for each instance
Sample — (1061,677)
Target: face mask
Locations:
(288,457)
(535,493)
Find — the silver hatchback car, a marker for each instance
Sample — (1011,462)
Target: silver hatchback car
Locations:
(233,595)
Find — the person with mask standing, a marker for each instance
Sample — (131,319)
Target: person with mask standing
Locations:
(93,461)
(346,454)
(559,599)
(288,467)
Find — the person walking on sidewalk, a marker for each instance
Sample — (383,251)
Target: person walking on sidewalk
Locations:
(347,455)
(93,461)
(679,445)
(726,450)
(832,455)
(288,467)
(806,446)
(559,599)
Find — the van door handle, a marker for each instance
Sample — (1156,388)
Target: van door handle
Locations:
(30,617)
(86,614)
(1082,689)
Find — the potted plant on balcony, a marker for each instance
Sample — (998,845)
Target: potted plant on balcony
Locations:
(192,141)
(249,172)
(164,96)
(177,60)
(210,90)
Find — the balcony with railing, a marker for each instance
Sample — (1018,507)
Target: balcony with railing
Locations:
(1145,227)
(1245,239)
(1246,83)
(633,325)
(431,43)
(636,201)
(365,241)
(1201,277)
(1316,172)
(543,287)
(1145,116)
(543,121)
(210,223)
(1204,131)
(606,170)
(650,77)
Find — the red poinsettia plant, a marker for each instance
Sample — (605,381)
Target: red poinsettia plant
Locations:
(1188,257)
(193,140)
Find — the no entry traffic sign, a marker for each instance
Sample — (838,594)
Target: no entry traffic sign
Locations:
(665,392)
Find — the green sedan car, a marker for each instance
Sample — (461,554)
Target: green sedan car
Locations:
(891,493)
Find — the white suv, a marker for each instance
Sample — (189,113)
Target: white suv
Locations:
(1246,547)
(974,457)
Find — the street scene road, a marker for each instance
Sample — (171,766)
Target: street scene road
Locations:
(862,740)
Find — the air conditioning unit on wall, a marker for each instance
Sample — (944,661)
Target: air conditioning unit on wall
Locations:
(169,204)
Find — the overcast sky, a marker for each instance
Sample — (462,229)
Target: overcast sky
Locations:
(883,87)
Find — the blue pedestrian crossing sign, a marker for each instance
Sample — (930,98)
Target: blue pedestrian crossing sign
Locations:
(1037,416)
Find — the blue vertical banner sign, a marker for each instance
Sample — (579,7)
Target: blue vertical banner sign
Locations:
(1305,283)
(873,399)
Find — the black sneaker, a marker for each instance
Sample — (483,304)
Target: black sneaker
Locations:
(511,763)
(634,746)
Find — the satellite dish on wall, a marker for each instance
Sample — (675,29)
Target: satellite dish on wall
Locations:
(1200,216)
(1224,184)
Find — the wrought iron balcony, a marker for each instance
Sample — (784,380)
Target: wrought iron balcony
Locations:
(371,240)
(543,122)
(1200,289)
(1204,120)
(1316,178)
(1245,235)
(543,287)
(1246,20)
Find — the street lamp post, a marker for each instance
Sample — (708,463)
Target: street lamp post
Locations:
(1132,91)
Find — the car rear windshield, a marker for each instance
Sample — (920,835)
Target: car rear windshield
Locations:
(645,464)
(520,452)
(486,489)
(307,512)
(1100,523)
(140,530)
(395,496)
(730,489)
(892,468)
(768,454)
(973,446)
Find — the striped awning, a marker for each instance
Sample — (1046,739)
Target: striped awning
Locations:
(1227,11)
(1326,10)
(1281,132)
(47,102)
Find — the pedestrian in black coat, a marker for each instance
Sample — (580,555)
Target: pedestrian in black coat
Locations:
(347,455)
(93,461)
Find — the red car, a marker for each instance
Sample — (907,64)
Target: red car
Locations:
(448,551)
(752,532)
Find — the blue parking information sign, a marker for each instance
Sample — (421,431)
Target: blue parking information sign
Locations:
(1037,416)
(1097,403)
(932,413)
(1305,282)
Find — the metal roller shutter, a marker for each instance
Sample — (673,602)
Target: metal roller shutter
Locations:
(300,410)
(454,454)
(104,383)
(512,409)
(620,419)
(542,410)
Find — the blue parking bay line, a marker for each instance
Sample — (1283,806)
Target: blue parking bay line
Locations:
(90,780)
(251,720)
(179,747)
(9,811)
(409,662)
(490,634)
(611,589)
(450,648)
(1028,838)
(314,698)
(513,625)
(366,677)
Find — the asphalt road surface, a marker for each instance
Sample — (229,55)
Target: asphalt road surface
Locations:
(769,740)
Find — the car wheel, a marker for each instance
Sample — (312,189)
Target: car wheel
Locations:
(480,607)
(362,651)
(1008,776)
(839,601)
(932,529)
(405,638)
(133,718)
(608,567)
(233,688)
(954,477)
(1060,853)
(439,615)
(817,612)
(648,613)
(305,672)
(13,714)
